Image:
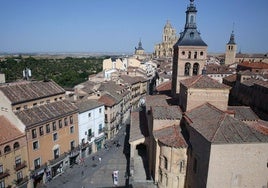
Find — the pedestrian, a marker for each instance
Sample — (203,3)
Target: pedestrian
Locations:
(100,159)
(82,173)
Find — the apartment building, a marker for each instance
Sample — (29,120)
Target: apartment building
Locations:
(50,124)
(14,167)
(91,126)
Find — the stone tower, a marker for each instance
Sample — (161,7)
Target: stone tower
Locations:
(190,52)
(169,38)
(230,51)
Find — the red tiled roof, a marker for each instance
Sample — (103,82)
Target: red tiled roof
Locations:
(107,100)
(230,78)
(171,136)
(255,65)
(203,81)
(261,126)
(8,131)
(219,128)
(26,91)
(156,100)
(166,86)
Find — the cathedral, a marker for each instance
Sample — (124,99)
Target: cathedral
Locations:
(169,38)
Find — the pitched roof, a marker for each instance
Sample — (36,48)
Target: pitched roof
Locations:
(25,91)
(254,65)
(89,104)
(243,113)
(45,113)
(190,37)
(8,131)
(219,128)
(230,78)
(203,82)
(166,112)
(261,126)
(107,100)
(171,136)
(138,126)
(166,86)
(156,100)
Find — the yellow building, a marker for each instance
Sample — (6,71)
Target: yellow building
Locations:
(13,155)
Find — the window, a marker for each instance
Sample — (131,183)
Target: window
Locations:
(34,135)
(195,69)
(37,163)
(47,128)
(54,127)
(35,145)
(55,99)
(25,107)
(89,115)
(187,69)
(182,166)
(56,153)
(19,176)
(2,184)
(1,169)
(16,145)
(183,52)
(72,144)
(55,136)
(41,131)
(99,110)
(201,53)
(7,149)
(34,104)
(189,55)
(18,161)
(60,123)
(71,120)
(65,122)
(72,129)
(195,55)
(18,108)
(48,101)
(165,163)
(100,128)
(192,34)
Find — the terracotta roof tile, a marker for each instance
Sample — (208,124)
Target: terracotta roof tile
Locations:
(45,113)
(203,81)
(261,126)
(230,78)
(107,100)
(85,105)
(243,113)
(255,65)
(171,136)
(8,131)
(25,91)
(138,126)
(166,86)
(218,127)
(166,112)
(156,100)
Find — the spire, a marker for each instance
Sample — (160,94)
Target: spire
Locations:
(232,39)
(191,16)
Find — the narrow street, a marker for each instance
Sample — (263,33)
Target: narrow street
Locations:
(97,173)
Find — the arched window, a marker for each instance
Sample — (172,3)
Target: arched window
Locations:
(201,53)
(195,55)
(192,19)
(195,69)
(183,52)
(165,163)
(7,149)
(16,145)
(187,69)
(189,55)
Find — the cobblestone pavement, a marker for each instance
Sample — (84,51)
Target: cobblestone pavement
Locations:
(95,173)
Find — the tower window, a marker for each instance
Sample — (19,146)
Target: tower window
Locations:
(192,34)
(183,52)
(201,53)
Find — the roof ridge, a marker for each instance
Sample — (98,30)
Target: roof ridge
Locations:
(196,78)
(220,123)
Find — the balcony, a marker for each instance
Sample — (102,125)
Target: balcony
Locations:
(4,174)
(20,166)
(21,181)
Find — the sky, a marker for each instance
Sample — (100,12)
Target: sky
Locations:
(118,25)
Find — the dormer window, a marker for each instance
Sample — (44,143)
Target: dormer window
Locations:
(192,35)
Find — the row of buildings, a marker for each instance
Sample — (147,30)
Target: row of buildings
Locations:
(46,129)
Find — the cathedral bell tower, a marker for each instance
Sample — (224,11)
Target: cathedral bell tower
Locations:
(230,51)
(190,52)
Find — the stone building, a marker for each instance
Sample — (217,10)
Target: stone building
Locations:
(190,52)
(223,151)
(169,38)
(14,166)
(199,89)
